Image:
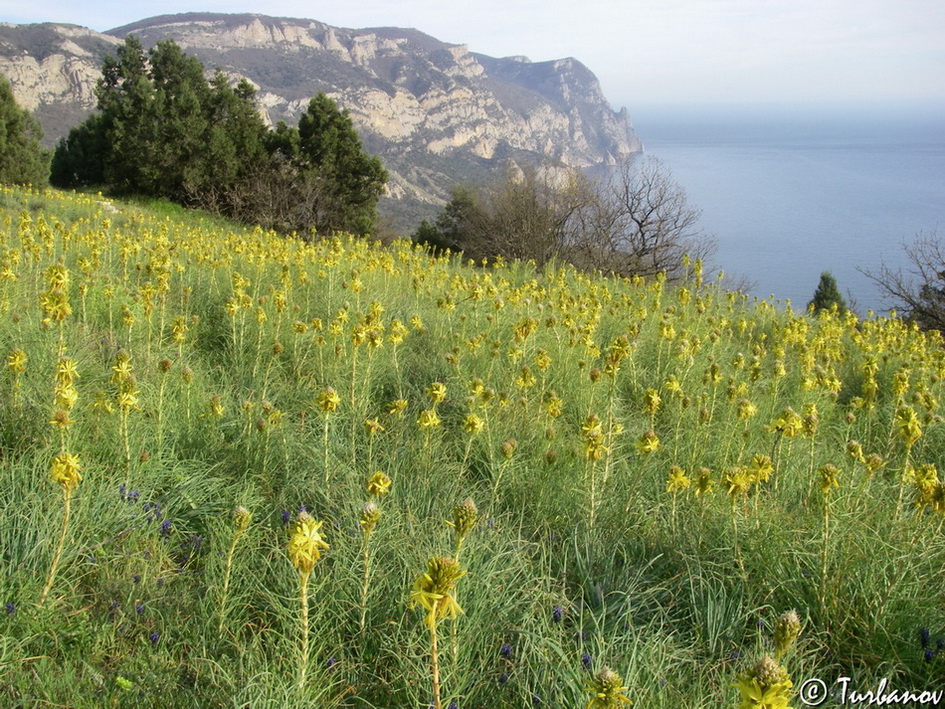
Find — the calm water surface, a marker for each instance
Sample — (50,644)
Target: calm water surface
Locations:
(791,195)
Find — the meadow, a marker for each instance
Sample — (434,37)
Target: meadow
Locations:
(243,470)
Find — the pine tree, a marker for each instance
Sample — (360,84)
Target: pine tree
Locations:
(22,160)
(827,295)
(349,180)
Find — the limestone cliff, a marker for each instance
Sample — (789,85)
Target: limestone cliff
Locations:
(436,113)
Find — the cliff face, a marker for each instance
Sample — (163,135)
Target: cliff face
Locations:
(435,112)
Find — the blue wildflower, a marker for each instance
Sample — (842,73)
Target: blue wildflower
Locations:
(586,660)
(556,614)
(924,637)
(503,678)
(139,609)
(166,528)
(11,609)
(929,654)
(506,650)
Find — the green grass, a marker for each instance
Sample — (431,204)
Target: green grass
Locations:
(674,593)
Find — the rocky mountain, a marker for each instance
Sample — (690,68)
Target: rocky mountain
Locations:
(436,113)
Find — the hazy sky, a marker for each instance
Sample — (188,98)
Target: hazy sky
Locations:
(645,52)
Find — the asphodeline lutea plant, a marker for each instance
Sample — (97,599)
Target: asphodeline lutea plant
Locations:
(607,691)
(241,519)
(677,481)
(828,480)
(327,402)
(305,549)
(65,472)
(126,399)
(592,434)
(378,485)
(434,592)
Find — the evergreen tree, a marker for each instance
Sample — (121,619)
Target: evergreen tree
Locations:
(827,295)
(345,182)
(22,160)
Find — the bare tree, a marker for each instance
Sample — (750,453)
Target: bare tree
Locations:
(919,293)
(642,223)
(636,222)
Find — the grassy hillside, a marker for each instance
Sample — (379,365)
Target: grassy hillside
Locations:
(660,474)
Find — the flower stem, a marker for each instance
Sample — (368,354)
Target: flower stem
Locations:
(62,541)
(303,598)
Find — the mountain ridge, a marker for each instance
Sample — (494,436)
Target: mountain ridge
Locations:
(435,112)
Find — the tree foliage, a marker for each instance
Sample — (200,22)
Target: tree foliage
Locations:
(164,130)
(827,295)
(636,221)
(22,159)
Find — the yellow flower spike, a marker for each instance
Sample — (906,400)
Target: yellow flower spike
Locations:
(651,401)
(64,470)
(379,484)
(648,442)
(738,481)
(766,686)
(607,691)
(705,483)
(241,518)
(373,427)
(828,477)
(433,590)
(786,631)
(328,400)
(61,418)
(437,392)
(473,424)
(907,425)
(305,543)
(16,361)
(370,515)
(761,468)
(677,481)
(428,419)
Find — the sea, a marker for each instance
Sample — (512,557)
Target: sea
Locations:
(791,192)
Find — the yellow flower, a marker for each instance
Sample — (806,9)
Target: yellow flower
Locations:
(829,477)
(651,401)
(704,482)
(397,407)
(677,480)
(433,591)
(766,686)
(373,426)
(328,400)
(305,543)
(473,424)
(437,392)
(761,468)
(649,442)
(907,425)
(428,419)
(738,481)
(370,515)
(607,691)
(16,361)
(64,470)
(379,484)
